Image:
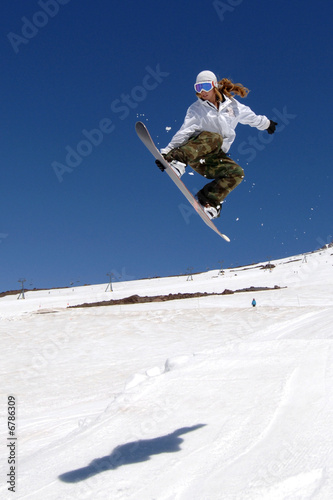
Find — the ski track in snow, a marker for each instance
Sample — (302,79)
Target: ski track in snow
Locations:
(196,399)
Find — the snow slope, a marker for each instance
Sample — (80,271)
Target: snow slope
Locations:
(195,399)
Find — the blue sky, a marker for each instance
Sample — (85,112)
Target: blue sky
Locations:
(80,195)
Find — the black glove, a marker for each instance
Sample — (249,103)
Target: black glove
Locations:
(160,165)
(272,127)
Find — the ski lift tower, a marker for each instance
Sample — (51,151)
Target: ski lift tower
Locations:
(21,296)
(110,282)
(189,275)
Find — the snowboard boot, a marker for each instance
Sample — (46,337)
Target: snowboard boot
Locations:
(178,167)
(210,210)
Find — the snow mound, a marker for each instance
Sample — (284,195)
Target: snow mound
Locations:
(154,372)
(137,379)
(177,362)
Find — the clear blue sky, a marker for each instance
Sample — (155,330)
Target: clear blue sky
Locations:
(71,67)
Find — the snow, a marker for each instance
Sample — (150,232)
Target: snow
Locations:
(204,398)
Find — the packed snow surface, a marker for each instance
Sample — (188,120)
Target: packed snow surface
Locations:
(204,398)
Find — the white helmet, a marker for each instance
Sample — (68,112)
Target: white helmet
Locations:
(206,76)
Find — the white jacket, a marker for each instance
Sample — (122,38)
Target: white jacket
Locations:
(203,116)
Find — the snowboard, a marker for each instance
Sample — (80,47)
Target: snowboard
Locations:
(145,137)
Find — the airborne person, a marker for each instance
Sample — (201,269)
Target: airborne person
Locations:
(206,135)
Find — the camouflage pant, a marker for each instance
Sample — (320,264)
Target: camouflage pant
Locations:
(204,154)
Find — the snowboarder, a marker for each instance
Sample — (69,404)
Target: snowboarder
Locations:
(254,303)
(206,136)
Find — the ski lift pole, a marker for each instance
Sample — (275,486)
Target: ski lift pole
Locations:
(21,295)
(110,282)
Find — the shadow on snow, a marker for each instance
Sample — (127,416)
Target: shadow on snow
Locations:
(130,453)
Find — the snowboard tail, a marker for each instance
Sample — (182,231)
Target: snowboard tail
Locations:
(145,137)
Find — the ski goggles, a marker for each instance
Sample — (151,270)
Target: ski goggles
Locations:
(206,86)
